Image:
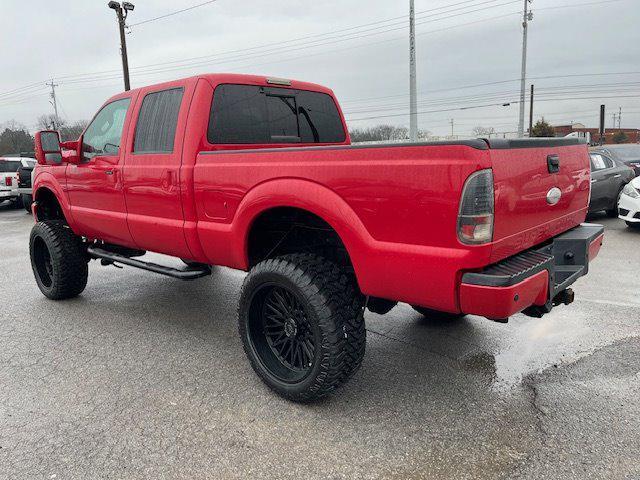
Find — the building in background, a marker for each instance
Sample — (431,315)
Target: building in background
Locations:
(578,129)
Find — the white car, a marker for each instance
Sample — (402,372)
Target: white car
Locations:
(9,178)
(629,203)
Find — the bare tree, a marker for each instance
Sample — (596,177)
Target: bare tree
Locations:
(384,133)
(68,131)
(480,131)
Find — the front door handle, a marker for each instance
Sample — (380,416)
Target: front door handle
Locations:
(593,180)
(617,176)
(108,172)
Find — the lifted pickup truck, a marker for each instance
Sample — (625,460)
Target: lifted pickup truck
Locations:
(257,174)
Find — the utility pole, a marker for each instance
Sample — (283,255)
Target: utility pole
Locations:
(615,116)
(121,13)
(531,112)
(451,122)
(602,127)
(620,119)
(54,102)
(528,16)
(413,100)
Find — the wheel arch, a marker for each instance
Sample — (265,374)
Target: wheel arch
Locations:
(312,200)
(50,201)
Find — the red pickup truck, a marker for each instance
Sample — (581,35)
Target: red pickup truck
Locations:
(258,174)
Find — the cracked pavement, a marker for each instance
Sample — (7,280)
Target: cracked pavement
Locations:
(144,377)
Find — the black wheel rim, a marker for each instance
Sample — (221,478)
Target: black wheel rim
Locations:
(281,334)
(43,262)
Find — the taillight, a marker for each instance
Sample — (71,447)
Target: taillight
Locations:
(8,181)
(475,218)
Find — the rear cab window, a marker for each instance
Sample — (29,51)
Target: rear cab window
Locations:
(9,166)
(249,114)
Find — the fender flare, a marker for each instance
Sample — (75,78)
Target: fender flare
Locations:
(45,180)
(309,196)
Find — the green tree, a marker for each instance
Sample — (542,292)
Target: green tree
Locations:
(14,139)
(542,129)
(620,137)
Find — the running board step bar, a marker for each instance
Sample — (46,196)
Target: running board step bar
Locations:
(188,273)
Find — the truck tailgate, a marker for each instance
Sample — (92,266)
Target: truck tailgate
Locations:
(541,190)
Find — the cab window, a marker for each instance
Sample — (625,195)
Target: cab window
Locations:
(157,121)
(262,115)
(102,136)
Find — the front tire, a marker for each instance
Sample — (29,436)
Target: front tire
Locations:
(301,324)
(58,259)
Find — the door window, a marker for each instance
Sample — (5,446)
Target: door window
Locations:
(103,135)
(157,121)
(597,162)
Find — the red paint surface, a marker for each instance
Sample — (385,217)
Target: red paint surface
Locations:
(502,302)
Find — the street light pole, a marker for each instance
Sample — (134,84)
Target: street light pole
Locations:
(121,13)
(413,101)
(528,16)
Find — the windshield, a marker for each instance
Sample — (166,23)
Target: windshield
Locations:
(9,166)
(627,151)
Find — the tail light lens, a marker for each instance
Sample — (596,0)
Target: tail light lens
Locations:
(8,181)
(475,219)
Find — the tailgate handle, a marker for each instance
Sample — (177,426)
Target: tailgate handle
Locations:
(553,163)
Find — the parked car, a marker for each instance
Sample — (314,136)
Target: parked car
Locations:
(258,174)
(629,203)
(627,153)
(25,179)
(608,178)
(9,167)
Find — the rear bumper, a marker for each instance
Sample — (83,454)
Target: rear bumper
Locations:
(533,281)
(4,194)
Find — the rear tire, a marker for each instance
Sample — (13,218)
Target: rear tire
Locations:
(436,314)
(301,324)
(17,203)
(27,200)
(58,259)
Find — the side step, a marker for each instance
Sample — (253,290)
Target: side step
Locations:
(188,273)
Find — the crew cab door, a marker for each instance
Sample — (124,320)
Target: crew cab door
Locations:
(152,170)
(95,186)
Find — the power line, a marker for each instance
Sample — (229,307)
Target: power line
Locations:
(172,13)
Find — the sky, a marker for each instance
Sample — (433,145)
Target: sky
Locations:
(582,53)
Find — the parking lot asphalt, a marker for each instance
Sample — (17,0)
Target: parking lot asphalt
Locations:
(144,376)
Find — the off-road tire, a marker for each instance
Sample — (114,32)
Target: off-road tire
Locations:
(333,307)
(436,314)
(58,259)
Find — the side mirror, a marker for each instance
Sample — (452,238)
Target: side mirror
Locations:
(47,147)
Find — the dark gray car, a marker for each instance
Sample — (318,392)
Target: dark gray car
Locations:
(627,153)
(608,178)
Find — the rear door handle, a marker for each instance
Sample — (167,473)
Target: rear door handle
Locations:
(593,180)
(108,172)
(617,176)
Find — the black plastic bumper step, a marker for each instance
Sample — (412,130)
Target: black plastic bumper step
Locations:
(511,270)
